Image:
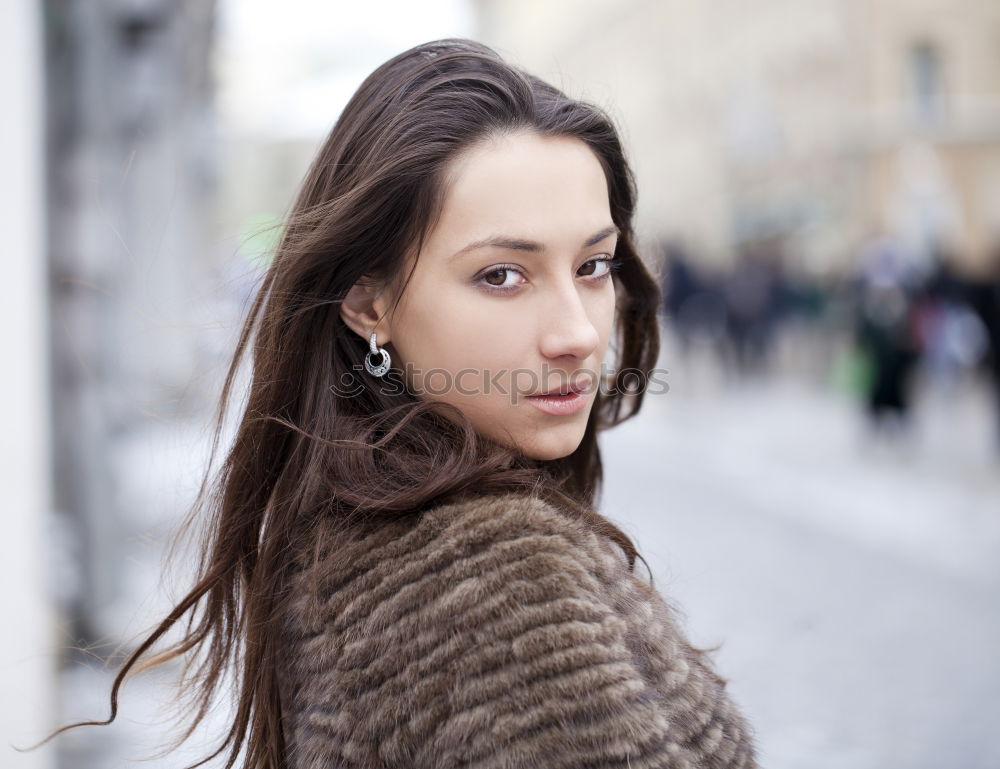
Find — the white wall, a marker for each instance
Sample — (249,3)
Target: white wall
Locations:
(28,647)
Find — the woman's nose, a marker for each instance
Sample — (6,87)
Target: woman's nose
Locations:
(567,329)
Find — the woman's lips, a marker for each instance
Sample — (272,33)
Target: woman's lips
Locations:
(559,405)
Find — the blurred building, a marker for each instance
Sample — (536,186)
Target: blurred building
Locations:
(821,123)
(130,162)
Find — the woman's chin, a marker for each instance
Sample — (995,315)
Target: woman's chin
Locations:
(554,443)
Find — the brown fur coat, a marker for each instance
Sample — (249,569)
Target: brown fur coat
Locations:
(493,633)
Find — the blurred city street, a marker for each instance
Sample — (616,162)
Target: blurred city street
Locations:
(853,585)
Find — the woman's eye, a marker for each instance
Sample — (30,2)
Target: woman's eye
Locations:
(604,267)
(502,271)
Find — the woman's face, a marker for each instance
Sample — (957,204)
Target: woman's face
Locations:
(486,325)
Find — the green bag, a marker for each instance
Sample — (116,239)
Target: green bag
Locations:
(852,372)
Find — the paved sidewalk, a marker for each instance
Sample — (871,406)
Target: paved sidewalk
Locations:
(854,586)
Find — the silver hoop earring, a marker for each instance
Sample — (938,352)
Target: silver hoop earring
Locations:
(381,368)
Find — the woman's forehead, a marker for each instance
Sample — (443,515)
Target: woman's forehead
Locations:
(536,190)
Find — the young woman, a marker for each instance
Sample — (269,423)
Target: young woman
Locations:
(405,565)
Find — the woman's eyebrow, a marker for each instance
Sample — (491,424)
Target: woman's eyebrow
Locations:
(519,244)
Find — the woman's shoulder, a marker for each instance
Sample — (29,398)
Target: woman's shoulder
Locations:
(496,625)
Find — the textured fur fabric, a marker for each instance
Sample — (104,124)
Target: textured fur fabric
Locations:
(493,634)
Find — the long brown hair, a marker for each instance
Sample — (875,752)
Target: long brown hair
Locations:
(300,450)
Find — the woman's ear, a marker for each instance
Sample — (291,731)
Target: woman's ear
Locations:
(363,309)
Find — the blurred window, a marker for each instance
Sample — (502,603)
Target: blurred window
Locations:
(925,78)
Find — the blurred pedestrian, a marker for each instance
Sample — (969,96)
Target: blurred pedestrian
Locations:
(985,299)
(885,329)
(680,286)
(752,299)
